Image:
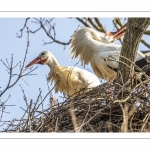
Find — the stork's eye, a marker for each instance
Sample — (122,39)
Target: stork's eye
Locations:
(42,54)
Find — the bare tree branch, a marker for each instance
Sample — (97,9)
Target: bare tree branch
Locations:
(102,29)
(21,30)
(145,43)
(83,22)
(95,26)
(147,32)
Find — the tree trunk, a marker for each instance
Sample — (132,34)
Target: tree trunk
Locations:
(134,31)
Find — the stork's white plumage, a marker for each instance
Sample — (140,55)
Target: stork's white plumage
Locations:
(95,47)
(71,79)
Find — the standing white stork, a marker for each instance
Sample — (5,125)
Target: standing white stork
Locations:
(69,79)
(95,47)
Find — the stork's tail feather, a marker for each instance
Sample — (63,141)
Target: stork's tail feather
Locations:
(144,64)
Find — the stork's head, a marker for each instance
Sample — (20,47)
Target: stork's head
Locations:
(109,37)
(43,58)
(113,36)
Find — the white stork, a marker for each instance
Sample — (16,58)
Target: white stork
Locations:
(95,47)
(69,79)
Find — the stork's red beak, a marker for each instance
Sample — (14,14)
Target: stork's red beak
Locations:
(118,34)
(35,61)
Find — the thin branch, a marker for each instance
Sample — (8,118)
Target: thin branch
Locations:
(102,29)
(145,43)
(83,22)
(147,32)
(21,30)
(93,24)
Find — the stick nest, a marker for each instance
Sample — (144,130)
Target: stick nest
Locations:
(125,108)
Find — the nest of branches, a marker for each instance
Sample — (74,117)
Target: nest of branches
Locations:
(110,107)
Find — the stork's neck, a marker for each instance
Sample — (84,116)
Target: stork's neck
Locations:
(52,62)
